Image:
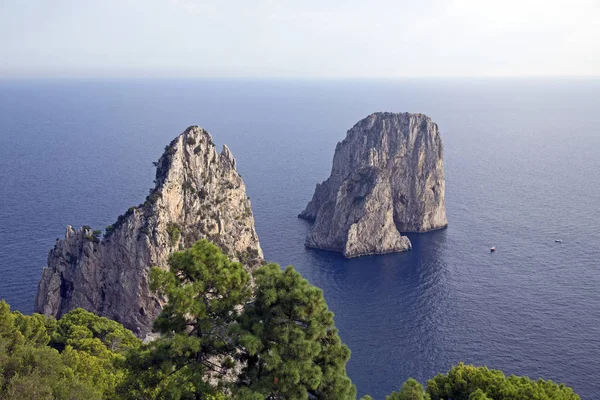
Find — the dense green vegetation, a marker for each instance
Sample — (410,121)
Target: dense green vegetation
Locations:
(81,356)
(174,233)
(284,337)
(224,334)
(466,382)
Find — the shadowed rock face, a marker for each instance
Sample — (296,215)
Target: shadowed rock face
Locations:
(387,177)
(198,194)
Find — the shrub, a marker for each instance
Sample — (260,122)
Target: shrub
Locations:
(91,238)
(174,233)
(153,197)
(109,230)
(169,150)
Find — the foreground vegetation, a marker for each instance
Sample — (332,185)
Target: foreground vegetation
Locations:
(224,334)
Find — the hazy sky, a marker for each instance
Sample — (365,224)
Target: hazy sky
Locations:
(304,38)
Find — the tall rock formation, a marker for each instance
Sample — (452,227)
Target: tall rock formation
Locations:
(198,194)
(387,177)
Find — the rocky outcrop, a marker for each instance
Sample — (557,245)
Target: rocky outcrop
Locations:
(387,177)
(198,194)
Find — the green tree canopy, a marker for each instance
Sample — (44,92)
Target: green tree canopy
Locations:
(78,357)
(479,395)
(467,382)
(284,336)
(84,361)
(206,292)
(411,390)
(84,330)
(293,347)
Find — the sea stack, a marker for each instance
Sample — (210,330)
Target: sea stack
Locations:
(198,194)
(387,178)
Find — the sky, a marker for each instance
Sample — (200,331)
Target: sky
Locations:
(299,39)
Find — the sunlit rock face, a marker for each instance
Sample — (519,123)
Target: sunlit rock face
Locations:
(387,177)
(198,194)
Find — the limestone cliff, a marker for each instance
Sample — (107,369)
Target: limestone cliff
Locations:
(198,194)
(387,177)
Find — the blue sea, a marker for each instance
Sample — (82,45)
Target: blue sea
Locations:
(522,162)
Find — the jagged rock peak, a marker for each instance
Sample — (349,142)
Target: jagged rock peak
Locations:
(198,194)
(387,177)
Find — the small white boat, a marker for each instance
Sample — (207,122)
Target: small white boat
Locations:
(558,240)
(493,249)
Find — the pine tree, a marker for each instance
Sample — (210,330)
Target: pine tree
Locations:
(293,347)
(411,390)
(205,291)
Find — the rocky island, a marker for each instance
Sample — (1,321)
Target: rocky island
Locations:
(198,194)
(387,178)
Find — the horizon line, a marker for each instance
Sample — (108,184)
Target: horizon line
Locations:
(282,78)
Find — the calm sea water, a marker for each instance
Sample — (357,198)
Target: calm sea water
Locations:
(522,169)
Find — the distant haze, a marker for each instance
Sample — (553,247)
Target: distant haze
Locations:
(303,39)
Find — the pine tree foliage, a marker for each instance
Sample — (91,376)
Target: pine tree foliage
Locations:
(294,350)
(194,354)
(411,390)
(465,382)
(80,356)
